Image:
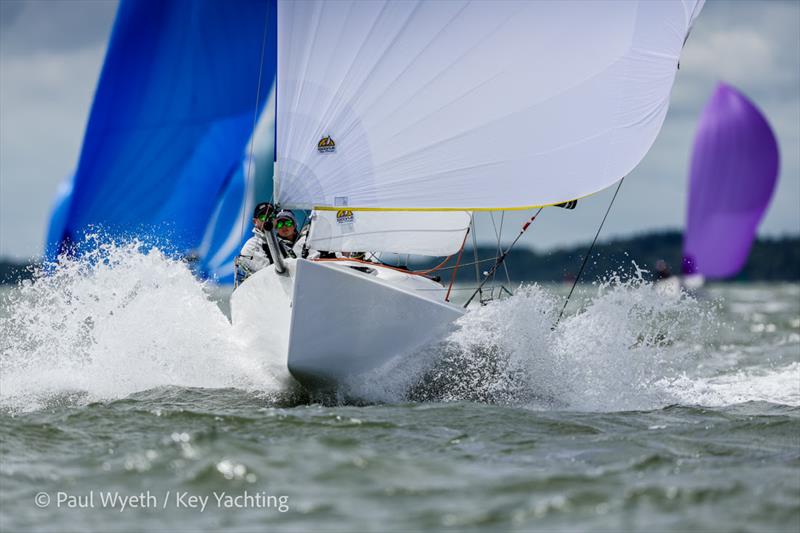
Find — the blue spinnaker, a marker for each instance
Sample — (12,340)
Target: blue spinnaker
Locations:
(168,132)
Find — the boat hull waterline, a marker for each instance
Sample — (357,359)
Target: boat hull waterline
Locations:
(326,323)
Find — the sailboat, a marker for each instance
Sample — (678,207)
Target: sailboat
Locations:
(165,155)
(396,121)
(733,174)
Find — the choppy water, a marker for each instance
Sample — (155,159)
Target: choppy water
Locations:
(122,377)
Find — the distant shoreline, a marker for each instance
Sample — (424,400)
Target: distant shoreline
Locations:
(771,259)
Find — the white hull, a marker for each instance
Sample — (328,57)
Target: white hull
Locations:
(327,323)
(261,313)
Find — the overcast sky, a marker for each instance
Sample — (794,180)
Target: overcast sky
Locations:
(51,52)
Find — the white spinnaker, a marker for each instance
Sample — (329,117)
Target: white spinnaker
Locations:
(470,105)
(433,233)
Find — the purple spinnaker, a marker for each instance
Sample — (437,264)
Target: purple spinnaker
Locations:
(733,174)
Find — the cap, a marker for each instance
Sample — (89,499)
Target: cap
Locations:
(284,214)
(262,209)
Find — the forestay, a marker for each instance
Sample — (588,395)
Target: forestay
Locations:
(419,233)
(469,105)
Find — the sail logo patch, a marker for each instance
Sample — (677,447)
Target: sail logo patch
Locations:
(326,145)
(345,216)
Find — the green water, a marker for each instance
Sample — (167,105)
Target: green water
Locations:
(404,467)
(700,431)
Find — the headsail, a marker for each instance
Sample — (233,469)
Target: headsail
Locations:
(168,129)
(426,233)
(733,174)
(469,104)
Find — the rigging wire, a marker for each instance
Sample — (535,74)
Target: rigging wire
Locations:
(455,270)
(489,260)
(475,253)
(255,121)
(374,259)
(502,258)
(499,235)
(443,289)
(588,253)
(498,251)
(499,240)
(434,269)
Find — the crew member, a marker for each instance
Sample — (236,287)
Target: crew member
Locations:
(255,252)
(286,229)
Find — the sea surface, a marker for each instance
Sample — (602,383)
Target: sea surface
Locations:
(127,403)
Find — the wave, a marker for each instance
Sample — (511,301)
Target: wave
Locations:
(125,318)
(632,345)
(119,319)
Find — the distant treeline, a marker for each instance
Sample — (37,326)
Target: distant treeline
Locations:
(11,272)
(773,259)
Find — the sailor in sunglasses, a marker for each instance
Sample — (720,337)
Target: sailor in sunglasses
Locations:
(255,253)
(291,239)
(286,229)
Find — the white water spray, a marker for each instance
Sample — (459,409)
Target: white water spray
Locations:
(614,354)
(126,318)
(632,345)
(121,319)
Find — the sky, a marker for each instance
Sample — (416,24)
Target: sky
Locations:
(51,53)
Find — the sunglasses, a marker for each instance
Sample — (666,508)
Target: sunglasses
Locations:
(262,218)
(284,224)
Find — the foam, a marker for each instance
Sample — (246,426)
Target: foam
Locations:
(126,318)
(631,345)
(122,318)
(779,385)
